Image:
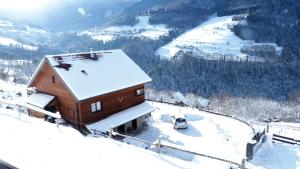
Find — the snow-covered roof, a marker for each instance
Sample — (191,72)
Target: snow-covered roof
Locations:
(39,99)
(41,110)
(122,117)
(95,73)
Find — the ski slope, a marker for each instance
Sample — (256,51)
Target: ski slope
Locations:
(212,40)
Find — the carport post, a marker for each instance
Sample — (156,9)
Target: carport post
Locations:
(110,130)
(243,164)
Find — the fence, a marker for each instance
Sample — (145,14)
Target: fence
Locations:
(113,135)
(285,139)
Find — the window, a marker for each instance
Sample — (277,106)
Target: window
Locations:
(53,79)
(140,92)
(96,107)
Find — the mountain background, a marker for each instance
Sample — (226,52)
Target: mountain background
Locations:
(269,21)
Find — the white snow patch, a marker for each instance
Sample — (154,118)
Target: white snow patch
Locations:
(39,99)
(5,23)
(35,30)
(141,29)
(202,102)
(14,43)
(179,97)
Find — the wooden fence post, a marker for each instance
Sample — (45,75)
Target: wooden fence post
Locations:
(158,144)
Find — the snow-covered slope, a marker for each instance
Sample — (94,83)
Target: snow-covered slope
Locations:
(21,35)
(28,142)
(13,43)
(212,40)
(31,143)
(141,29)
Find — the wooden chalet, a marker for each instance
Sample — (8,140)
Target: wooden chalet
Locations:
(100,89)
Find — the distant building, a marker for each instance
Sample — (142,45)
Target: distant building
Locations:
(100,89)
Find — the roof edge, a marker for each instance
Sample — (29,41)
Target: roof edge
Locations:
(96,51)
(37,70)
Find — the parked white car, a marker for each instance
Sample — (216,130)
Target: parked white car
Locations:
(179,122)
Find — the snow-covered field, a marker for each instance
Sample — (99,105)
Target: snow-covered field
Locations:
(28,142)
(141,29)
(13,43)
(17,35)
(212,40)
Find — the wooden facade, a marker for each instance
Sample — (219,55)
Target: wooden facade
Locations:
(47,81)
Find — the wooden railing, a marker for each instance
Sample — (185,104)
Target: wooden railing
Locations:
(113,135)
(285,139)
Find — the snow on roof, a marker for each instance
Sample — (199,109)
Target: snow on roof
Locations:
(91,74)
(39,99)
(122,117)
(41,110)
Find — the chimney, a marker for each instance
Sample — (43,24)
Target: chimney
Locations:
(93,55)
(91,49)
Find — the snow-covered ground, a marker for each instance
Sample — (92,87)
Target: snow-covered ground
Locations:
(212,40)
(28,142)
(13,43)
(276,156)
(141,29)
(206,133)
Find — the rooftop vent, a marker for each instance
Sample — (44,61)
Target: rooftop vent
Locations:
(65,66)
(84,72)
(57,58)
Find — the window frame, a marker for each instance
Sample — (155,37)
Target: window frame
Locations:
(140,92)
(96,107)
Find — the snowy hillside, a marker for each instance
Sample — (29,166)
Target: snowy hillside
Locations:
(28,142)
(141,29)
(37,144)
(16,44)
(21,35)
(214,40)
